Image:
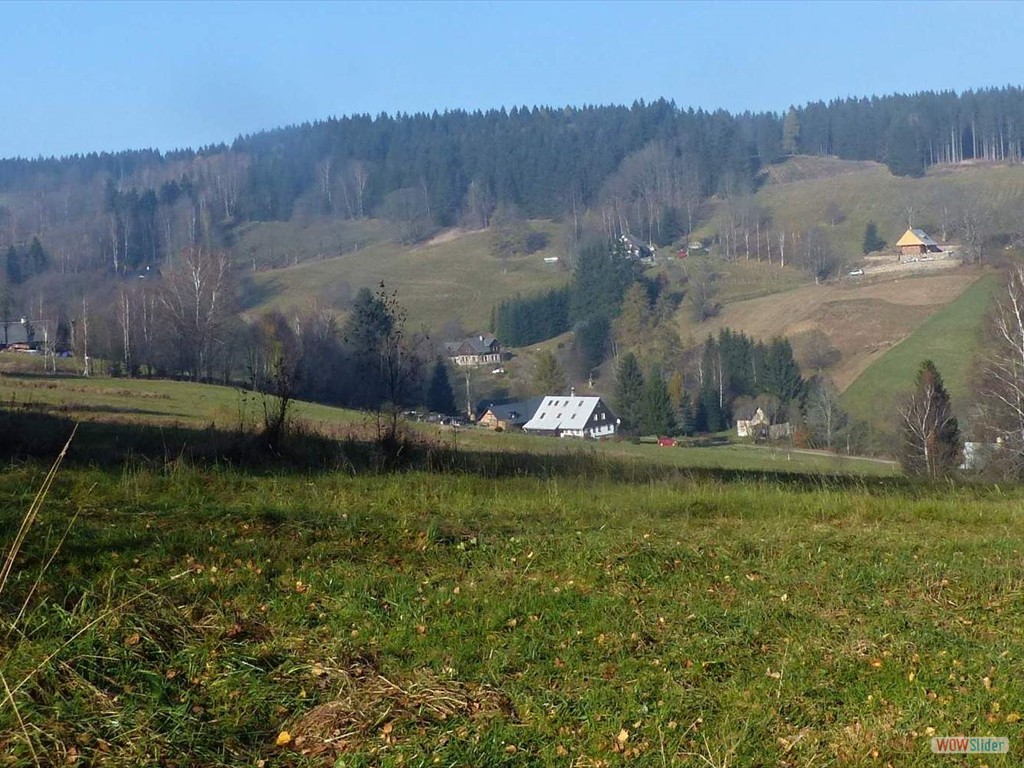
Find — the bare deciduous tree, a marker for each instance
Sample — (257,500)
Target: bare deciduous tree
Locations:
(480,205)
(356,177)
(825,416)
(1002,387)
(973,222)
(196,298)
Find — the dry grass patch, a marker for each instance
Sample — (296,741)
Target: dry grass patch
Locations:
(372,712)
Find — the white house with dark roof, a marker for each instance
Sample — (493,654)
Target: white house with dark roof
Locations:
(477,350)
(507,415)
(573,416)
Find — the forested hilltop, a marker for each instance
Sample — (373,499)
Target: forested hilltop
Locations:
(652,162)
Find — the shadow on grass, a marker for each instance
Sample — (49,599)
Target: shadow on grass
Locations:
(254,293)
(30,435)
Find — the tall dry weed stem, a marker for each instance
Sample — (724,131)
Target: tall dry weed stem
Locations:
(8,567)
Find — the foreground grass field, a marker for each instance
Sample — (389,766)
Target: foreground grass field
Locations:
(212,617)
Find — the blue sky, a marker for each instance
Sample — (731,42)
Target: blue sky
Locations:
(80,77)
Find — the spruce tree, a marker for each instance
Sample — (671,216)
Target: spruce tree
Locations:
(872,241)
(781,373)
(629,387)
(15,271)
(548,376)
(791,132)
(903,153)
(931,444)
(590,341)
(709,416)
(440,396)
(687,415)
(38,259)
(656,412)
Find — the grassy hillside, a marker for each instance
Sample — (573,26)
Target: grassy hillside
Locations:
(800,190)
(949,338)
(215,618)
(862,320)
(453,277)
(150,401)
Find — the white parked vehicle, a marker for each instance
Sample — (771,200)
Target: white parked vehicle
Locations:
(856,272)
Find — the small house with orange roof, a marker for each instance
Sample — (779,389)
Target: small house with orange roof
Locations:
(915,242)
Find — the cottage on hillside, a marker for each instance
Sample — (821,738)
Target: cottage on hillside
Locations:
(509,415)
(483,349)
(915,242)
(573,416)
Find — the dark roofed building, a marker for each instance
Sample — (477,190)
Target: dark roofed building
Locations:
(15,332)
(482,349)
(510,414)
(636,249)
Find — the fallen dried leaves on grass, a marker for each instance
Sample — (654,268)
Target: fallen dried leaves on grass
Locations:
(372,710)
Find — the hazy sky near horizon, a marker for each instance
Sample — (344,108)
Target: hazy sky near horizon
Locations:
(98,76)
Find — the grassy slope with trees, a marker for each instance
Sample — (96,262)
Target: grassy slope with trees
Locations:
(105,404)
(456,279)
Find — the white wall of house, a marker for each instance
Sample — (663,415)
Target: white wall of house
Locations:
(469,360)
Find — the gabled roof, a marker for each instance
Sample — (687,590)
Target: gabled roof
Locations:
(477,345)
(16,333)
(562,412)
(916,237)
(750,413)
(515,412)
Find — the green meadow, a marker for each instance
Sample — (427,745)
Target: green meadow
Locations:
(488,599)
(196,615)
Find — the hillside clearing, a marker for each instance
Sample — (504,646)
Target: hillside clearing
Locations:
(802,189)
(949,338)
(452,277)
(861,320)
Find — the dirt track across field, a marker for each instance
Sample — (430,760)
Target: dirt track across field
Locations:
(863,318)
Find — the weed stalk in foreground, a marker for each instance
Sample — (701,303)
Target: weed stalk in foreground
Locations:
(12,556)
